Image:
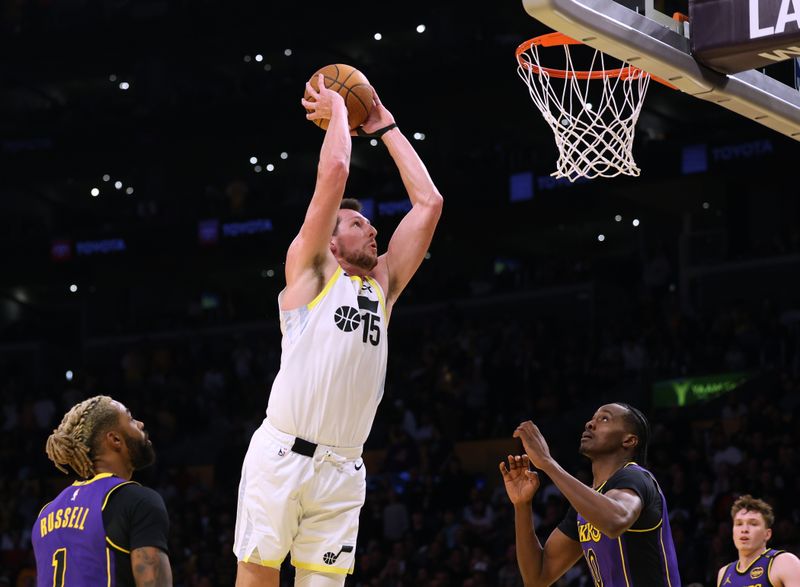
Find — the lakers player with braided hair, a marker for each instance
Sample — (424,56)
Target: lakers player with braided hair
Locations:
(103,529)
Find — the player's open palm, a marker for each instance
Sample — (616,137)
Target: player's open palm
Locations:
(521,483)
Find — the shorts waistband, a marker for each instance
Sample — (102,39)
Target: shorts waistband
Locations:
(306,447)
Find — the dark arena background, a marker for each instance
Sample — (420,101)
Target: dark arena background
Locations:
(155,163)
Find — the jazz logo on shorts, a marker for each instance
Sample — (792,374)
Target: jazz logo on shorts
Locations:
(329,558)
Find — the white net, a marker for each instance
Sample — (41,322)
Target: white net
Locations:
(592,113)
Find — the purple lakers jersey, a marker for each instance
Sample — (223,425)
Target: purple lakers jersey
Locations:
(640,557)
(69,538)
(755,575)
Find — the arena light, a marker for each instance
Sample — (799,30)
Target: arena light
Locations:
(270,167)
(635,222)
(618,218)
(112,78)
(259,58)
(288,52)
(267,67)
(247,59)
(118,185)
(601,237)
(421,28)
(95,192)
(106,177)
(284,155)
(129,190)
(706,205)
(69,375)
(377,36)
(373,142)
(270,273)
(124,85)
(73,288)
(257,168)
(253,160)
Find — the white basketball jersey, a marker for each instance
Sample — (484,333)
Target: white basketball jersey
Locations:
(333,364)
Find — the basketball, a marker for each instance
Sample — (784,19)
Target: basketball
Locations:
(352,85)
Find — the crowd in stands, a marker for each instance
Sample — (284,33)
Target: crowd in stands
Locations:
(456,375)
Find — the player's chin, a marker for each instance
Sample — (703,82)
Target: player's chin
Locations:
(369,260)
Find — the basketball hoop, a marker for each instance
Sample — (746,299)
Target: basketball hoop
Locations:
(593,124)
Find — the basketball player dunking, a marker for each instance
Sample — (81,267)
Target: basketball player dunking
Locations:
(303,481)
(758,566)
(621,525)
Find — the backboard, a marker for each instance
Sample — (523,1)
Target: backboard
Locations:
(661,45)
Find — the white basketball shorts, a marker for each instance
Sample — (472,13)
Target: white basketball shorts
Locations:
(308,506)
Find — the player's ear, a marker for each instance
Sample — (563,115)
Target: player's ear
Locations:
(769,534)
(630,441)
(114,439)
(333,246)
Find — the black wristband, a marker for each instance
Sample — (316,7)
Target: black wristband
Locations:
(377,134)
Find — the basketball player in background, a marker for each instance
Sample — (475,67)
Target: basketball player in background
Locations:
(106,529)
(758,566)
(303,481)
(620,524)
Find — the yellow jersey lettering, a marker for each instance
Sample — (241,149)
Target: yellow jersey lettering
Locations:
(59,513)
(72,517)
(588,533)
(83,519)
(50,522)
(66,512)
(43,527)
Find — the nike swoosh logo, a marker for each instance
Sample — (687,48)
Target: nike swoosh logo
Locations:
(359,468)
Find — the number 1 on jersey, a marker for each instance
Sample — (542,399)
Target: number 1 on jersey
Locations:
(59,567)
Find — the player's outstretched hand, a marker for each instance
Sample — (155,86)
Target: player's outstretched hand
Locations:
(378,119)
(535,445)
(521,483)
(321,102)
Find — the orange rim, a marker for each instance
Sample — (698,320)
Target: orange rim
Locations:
(559,40)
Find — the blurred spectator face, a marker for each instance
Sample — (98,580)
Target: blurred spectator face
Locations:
(750,531)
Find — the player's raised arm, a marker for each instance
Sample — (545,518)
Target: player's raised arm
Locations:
(611,513)
(538,566)
(310,247)
(413,235)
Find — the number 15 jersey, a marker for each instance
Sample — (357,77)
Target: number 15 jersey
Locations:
(333,364)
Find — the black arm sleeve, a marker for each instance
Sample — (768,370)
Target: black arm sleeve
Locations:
(569,525)
(135,517)
(645,487)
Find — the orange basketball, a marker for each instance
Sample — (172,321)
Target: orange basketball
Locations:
(352,85)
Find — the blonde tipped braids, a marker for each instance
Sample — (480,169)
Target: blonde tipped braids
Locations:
(72,442)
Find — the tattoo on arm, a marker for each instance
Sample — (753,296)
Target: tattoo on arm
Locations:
(151,567)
